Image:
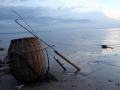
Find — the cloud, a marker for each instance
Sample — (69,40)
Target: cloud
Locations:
(59,20)
(84,9)
(39,17)
(74,20)
(28,3)
(50,3)
(114,14)
(55,14)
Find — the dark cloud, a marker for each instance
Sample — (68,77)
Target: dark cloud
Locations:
(37,15)
(47,18)
(60,20)
(24,0)
(74,20)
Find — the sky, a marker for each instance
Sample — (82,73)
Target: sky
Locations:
(60,14)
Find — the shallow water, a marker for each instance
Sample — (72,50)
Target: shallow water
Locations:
(83,48)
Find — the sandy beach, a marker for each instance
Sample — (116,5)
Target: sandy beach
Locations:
(64,80)
(99,66)
(102,78)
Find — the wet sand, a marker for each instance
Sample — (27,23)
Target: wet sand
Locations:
(95,74)
(100,68)
(65,82)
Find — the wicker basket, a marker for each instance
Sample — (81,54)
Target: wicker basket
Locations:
(33,52)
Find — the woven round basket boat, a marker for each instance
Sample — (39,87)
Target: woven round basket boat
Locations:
(33,52)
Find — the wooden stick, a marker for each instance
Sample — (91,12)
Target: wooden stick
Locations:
(60,63)
(66,60)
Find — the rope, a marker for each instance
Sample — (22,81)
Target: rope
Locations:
(8,56)
(47,71)
(25,62)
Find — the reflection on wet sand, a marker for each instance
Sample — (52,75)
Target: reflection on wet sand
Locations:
(111,39)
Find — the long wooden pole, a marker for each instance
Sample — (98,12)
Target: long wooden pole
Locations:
(60,63)
(66,60)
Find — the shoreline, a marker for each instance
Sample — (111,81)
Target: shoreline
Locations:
(67,80)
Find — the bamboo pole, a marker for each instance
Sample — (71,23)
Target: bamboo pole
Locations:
(60,63)
(67,60)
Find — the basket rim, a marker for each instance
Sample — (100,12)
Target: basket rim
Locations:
(24,38)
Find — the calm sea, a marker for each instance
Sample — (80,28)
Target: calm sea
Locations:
(66,38)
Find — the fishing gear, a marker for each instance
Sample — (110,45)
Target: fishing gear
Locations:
(42,41)
(24,21)
(46,43)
